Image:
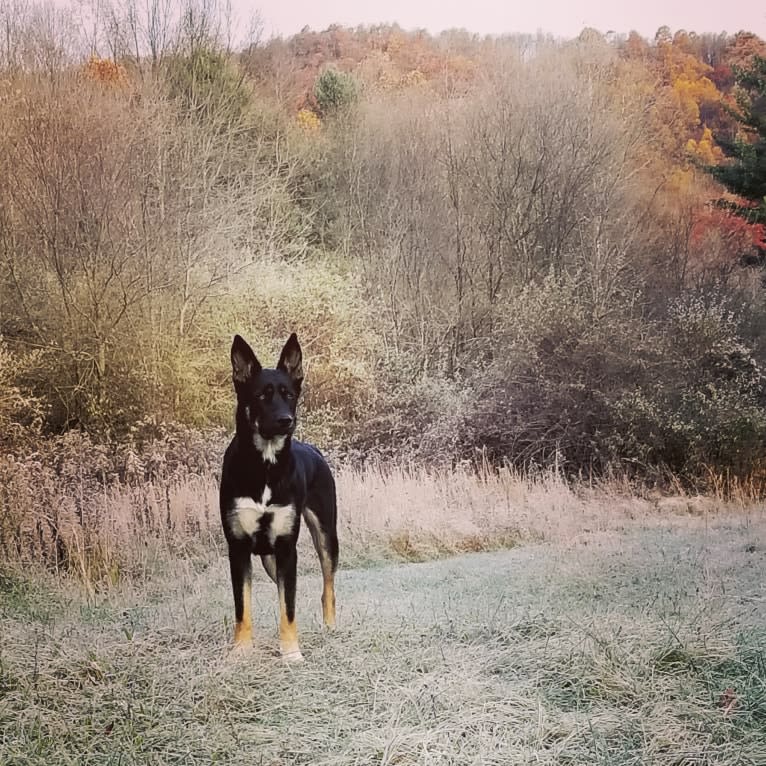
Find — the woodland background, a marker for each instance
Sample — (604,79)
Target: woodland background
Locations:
(510,251)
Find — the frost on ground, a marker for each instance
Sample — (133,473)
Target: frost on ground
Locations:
(645,646)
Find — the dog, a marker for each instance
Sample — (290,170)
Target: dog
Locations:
(269,483)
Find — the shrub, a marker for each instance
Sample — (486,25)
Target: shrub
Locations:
(208,85)
(589,393)
(95,508)
(706,407)
(21,412)
(415,419)
(683,393)
(335,91)
(321,302)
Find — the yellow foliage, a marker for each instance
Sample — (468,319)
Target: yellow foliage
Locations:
(376,71)
(705,149)
(413,78)
(325,306)
(691,93)
(391,80)
(388,80)
(308,120)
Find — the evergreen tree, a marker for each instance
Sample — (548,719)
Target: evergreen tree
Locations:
(335,90)
(745,172)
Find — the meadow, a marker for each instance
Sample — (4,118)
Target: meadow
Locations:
(483,619)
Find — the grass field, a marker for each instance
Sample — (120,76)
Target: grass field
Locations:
(636,645)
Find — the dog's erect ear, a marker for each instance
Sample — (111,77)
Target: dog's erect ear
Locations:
(291,359)
(244,365)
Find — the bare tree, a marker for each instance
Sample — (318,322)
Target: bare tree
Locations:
(460,200)
(129,210)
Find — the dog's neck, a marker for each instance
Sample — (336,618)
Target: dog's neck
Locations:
(271,449)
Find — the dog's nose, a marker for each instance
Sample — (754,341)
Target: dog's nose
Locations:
(285,422)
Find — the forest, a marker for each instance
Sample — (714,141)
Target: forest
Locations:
(510,251)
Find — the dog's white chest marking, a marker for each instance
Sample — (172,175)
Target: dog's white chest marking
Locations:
(269,448)
(246,514)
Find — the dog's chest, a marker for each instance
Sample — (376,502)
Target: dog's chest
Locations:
(256,519)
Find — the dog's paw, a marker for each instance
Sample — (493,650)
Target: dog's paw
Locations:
(238,653)
(292,656)
(241,649)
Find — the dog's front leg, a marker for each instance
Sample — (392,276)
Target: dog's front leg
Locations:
(287,567)
(241,582)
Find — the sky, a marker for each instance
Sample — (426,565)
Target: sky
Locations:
(557,17)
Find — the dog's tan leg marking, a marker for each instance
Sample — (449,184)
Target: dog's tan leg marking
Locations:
(288,633)
(325,561)
(328,599)
(243,631)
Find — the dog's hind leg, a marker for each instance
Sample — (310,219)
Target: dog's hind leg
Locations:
(326,543)
(270,565)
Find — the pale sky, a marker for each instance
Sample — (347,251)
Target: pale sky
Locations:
(558,17)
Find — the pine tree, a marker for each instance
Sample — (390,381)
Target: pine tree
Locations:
(744,171)
(335,90)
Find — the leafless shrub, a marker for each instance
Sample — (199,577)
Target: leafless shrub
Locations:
(125,222)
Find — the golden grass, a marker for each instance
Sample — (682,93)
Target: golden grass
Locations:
(105,534)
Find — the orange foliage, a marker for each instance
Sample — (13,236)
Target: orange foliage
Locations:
(689,102)
(687,77)
(636,47)
(105,71)
(383,57)
(719,235)
(742,47)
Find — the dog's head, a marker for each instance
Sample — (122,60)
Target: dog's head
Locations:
(266,398)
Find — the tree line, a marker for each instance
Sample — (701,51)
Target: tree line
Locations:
(509,248)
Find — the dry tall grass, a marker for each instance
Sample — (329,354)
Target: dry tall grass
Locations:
(104,525)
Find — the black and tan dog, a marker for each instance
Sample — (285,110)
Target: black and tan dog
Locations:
(270,482)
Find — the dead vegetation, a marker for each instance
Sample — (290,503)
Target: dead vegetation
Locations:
(641,647)
(79,508)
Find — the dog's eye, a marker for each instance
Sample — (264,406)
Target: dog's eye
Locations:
(262,396)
